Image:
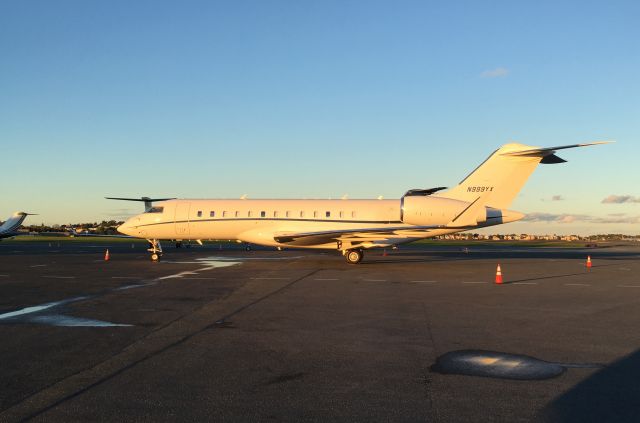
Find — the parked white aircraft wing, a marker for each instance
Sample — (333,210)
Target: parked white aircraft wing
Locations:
(368,234)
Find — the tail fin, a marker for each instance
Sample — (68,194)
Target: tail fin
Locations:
(504,173)
(11,225)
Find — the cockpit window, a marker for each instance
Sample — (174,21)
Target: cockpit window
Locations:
(155,210)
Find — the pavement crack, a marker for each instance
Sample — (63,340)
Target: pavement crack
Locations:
(427,380)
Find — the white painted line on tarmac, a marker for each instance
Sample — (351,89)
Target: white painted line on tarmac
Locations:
(577,284)
(326,279)
(524,283)
(423,281)
(626,269)
(38,265)
(628,286)
(27,310)
(178,275)
(125,277)
(4,276)
(201,278)
(473,282)
(58,277)
(374,280)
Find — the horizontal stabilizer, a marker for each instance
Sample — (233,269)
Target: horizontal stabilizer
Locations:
(144,199)
(147,201)
(548,151)
(423,192)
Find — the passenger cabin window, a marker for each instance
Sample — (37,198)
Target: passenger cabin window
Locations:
(237,214)
(224,214)
(328,214)
(341,214)
(353,214)
(212,214)
(286,214)
(275,214)
(199,213)
(263,214)
(315,214)
(155,210)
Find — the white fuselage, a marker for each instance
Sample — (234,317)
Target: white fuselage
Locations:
(259,221)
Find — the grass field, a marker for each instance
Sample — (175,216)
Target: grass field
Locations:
(68,239)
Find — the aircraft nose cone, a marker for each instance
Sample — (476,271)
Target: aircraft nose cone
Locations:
(125,228)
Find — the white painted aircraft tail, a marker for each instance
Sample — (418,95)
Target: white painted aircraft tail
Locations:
(504,173)
(11,225)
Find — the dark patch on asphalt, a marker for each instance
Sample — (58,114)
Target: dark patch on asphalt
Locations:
(496,365)
(285,378)
(224,324)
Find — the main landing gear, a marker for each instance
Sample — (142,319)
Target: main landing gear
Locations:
(155,249)
(354,256)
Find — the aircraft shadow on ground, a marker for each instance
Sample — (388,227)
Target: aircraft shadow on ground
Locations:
(417,256)
(610,395)
(481,254)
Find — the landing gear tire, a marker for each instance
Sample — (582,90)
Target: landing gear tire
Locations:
(354,256)
(155,249)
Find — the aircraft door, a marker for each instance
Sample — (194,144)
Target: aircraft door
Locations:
(182,219)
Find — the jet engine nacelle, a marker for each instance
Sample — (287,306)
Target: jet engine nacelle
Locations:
(428,210)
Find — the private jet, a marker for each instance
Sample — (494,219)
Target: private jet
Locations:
(10,227)
(349,226)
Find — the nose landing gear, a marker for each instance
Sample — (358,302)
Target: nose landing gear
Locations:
(155,249)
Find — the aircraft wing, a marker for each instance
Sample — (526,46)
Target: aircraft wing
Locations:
(74,233)
(372,235)
(384,236)
(102,236)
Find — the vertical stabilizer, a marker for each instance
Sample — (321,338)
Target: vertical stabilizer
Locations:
(504,173)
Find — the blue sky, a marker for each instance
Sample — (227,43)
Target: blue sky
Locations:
(316,99)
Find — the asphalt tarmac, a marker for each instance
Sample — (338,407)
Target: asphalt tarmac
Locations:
(421,334)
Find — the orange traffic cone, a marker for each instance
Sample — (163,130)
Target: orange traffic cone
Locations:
(106,255)
(384,252)
(588,262)
(498,276)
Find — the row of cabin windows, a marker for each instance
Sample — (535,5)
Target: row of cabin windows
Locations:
(327,214)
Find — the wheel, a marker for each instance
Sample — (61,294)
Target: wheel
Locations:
(354,256)
(179,244)
(155,257)
(247,248)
